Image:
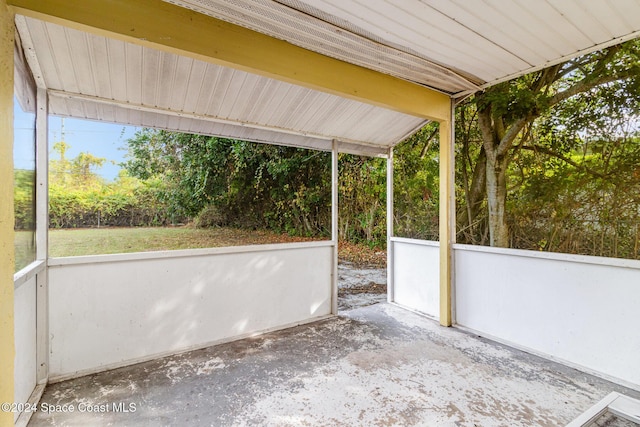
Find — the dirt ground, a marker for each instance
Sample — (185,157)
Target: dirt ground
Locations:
(362,276)
(360,285)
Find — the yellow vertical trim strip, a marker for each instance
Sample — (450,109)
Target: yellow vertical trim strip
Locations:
(447,218)
(7,250)
(175,29)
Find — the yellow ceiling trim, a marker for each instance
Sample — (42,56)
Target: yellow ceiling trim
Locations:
(171,28)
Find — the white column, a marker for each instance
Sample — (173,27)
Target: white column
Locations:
(42,173)
(42,233)
(334,226)
(390,288)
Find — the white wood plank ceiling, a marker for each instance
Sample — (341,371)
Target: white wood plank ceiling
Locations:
(97,78)
(449,45)
(453,46)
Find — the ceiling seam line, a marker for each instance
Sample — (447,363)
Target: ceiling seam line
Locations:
(174,113)
(479,35)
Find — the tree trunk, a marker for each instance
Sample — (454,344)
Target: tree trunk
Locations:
(496,141)
(496,201)
(474,195)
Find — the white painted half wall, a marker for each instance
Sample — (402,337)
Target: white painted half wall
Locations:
(25,341)
(581,310)
(112,310)
(416,275)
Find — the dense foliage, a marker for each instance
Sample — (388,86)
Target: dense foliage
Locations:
(569,189)
(416,193)
(548,161)
(24,199)
(548,111)
(24,188)
(222,182)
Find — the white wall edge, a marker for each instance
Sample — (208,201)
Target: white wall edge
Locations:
(416,241)
(27,273)
(85,372)
(335,234)
(390,222)
(418,312)
(553,256)
(551,358)
(182,253)
(588,417)
(34,399)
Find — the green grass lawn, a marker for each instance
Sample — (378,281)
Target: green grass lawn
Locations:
(25,248)
(94,241)
(97,241)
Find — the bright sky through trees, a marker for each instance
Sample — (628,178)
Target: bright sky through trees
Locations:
(100,139)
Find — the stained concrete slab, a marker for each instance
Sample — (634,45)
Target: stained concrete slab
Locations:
(374,366)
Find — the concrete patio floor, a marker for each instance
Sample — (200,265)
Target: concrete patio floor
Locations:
(373,366)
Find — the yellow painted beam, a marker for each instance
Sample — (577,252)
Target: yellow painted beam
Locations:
(171,28)
(7,252)
(447,218)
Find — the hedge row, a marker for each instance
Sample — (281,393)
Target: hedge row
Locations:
(107,206)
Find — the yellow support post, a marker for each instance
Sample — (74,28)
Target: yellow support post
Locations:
(447,216)
(7,251)
(170,28)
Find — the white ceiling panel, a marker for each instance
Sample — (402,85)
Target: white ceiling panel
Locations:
(486,41)
(97,78)
(305,26)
